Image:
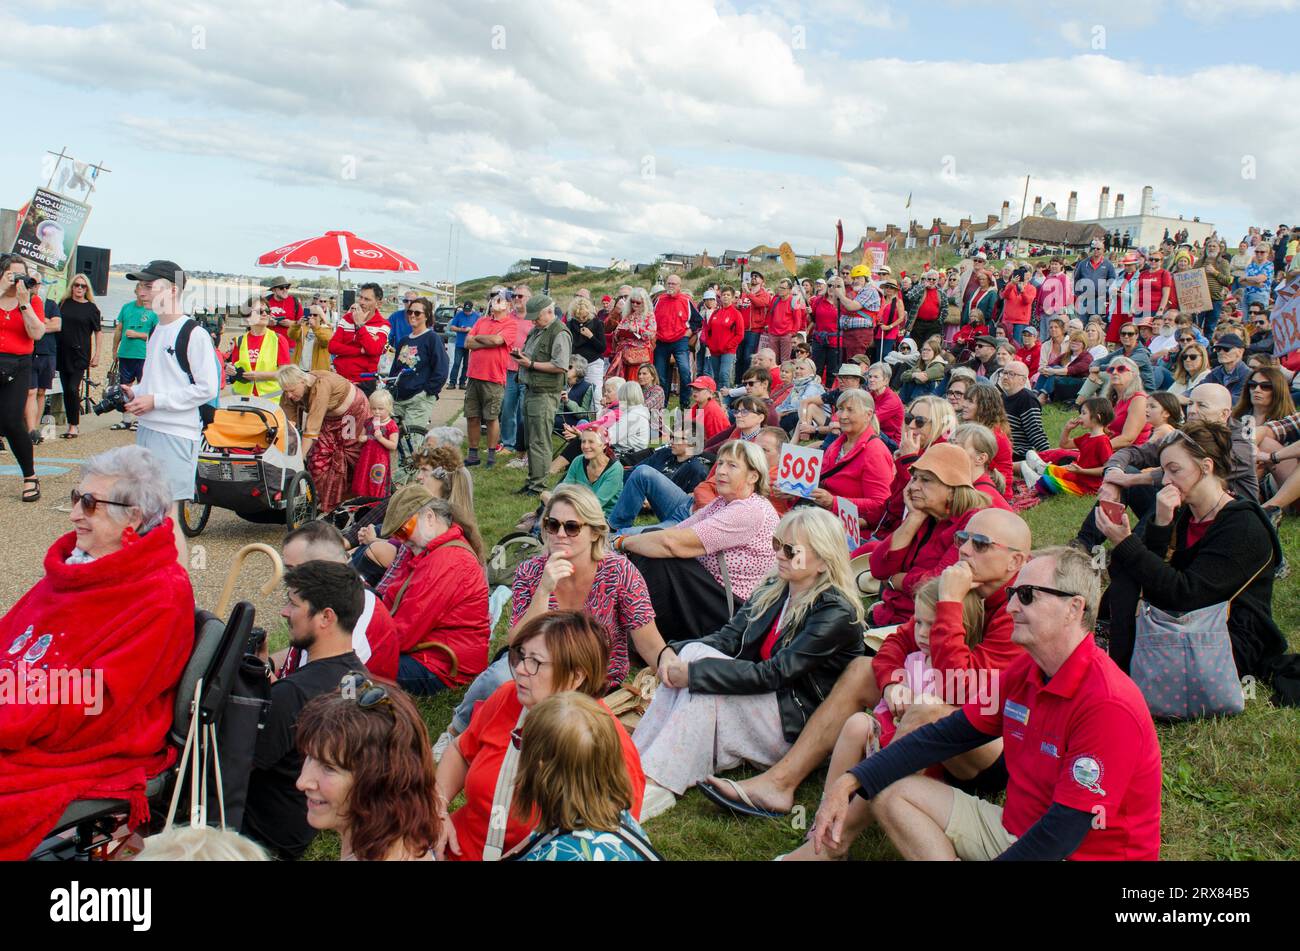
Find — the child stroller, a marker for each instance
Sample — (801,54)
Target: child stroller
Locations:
(251,462)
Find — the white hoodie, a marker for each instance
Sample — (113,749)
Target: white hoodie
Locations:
(176,399)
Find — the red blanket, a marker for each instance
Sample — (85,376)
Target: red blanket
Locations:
(126,618)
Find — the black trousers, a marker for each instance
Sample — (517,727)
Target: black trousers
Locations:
(71,381)
(688,602)
(15,380)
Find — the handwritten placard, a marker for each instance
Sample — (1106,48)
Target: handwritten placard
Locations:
(1193,291)
(848,514)
(1286,319)
(799,469)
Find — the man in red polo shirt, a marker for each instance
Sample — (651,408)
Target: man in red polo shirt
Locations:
(1082,758)
(285,309)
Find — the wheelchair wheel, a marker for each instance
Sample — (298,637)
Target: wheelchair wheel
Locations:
(194,516)
(300,502)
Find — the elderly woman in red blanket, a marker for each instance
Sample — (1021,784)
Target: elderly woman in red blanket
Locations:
(90,657)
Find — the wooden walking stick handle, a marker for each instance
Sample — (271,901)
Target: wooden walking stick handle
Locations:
(240,556)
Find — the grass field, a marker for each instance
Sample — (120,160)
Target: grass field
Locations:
(1230,785)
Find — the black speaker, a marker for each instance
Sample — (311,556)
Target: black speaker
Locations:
(349,298)
(93,262)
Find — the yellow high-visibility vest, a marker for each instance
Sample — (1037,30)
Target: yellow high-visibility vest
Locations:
(268,361)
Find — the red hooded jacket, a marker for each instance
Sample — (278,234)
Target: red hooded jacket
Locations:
(447,602)
(129,618)
(672,317)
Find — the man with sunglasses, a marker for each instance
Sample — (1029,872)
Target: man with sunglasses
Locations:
(1081,752)
(1232,371)
(993,548)
(1258,280)
(1133,475)
(1261,332)
(323,600)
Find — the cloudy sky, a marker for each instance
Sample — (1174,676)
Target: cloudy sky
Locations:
(586,131)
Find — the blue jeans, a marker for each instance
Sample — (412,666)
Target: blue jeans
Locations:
(748,347)
(484,685)
(512,411)
(1208,319)
(1017,332)
(668,501)
(414,677)
(680,351)
(722,368)
(459,367)
(885,347)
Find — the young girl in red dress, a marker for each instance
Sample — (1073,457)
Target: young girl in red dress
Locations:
(373,477)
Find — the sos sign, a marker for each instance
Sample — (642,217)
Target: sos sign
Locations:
(799,469)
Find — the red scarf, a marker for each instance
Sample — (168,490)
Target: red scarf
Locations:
(130,615)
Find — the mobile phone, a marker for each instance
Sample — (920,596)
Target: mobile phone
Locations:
(1114,510)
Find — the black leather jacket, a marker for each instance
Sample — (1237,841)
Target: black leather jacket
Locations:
(803,667)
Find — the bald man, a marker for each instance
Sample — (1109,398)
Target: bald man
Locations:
(1024,412)
(993,548)
(1133,475)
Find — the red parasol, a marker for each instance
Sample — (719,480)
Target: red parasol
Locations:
(337,251)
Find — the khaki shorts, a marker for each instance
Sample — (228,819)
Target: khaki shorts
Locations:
(975,829)
(483,400)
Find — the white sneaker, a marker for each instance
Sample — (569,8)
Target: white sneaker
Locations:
(1028,474)
(1035,462)
(441,745)
(655,802)
(519,463)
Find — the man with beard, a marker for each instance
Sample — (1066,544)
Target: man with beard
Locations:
(323,601)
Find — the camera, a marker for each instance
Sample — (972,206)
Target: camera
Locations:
(114,400)
(256,638)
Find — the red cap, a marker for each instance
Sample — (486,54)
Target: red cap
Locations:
(704,383)
(607,299)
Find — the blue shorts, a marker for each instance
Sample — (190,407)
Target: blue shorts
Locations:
(42,371)
(130,369)
(177,457)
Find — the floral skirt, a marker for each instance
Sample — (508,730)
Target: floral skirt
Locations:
(333,457)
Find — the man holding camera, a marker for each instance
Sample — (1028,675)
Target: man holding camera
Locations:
(543,362)
(181,373)
(1017,303)
(360,339)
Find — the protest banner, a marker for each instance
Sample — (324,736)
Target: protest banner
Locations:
(798,471)
(1193,291)
(875,253)
(50,230)
(1286,319)
(848,515)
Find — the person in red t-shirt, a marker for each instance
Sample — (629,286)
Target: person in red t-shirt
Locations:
(1081,752)
(1155,288)
(284,308)
(554,653)
(360,339)
(705,410)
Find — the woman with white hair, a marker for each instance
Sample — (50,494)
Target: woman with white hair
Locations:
(700,569)
(634,337)
(106,634)
(631,431)
(744,692)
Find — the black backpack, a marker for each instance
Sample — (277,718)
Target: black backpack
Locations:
(207,411)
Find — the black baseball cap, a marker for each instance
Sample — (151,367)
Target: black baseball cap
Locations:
(160,270)
(1229,341)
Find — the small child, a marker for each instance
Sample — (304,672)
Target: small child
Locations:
(1082,476)
(373,477)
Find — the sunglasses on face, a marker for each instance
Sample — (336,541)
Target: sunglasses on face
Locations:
(1113,370)
(1024,593)
(981,543)
(790,551)
(1222,349)
(554,526)
(1260,385)
(408,529)
(364,691)
(917,422)
(89,503)
(1128,333)
(1191,356)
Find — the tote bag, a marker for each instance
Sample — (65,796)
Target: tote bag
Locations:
(1182,660)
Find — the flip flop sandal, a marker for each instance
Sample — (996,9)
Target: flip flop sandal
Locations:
(742,807)
(31,490)
(120,426)
(69,435)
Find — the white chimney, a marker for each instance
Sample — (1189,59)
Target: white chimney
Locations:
(1006,211)
(1119,205)
(1104,203)
(1147,198)
(1038,205)
(1072,209)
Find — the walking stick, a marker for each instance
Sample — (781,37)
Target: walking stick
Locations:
(243,553)
(839,306)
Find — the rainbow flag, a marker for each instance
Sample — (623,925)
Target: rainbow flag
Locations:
(1058,480)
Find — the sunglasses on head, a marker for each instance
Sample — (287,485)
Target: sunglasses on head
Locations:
(981,543)
(89,503)
(919,422)
(554,526)
(363,690)
(1024,593)
(779,546)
